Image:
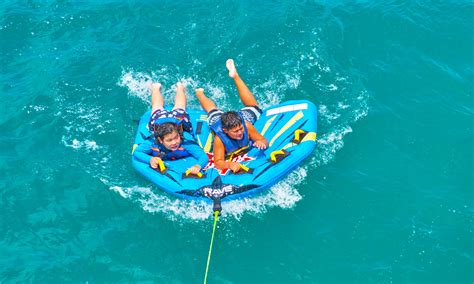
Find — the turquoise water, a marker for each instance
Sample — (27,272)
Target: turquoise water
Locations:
(387,196)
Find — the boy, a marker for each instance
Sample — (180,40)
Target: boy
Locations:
(233,131)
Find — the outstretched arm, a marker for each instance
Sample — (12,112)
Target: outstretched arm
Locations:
(143,153)
(258,140)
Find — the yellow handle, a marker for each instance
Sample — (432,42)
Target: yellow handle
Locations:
(244,168)
(161,165)
(274,154)
(298,132)
(199,174)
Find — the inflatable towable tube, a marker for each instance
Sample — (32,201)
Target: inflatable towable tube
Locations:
(290,129)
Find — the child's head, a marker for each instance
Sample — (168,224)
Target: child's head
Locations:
(168,135)
(232,125)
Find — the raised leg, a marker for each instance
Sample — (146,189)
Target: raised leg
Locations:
(206,103)
(157,101)
(246,96)
(180,98)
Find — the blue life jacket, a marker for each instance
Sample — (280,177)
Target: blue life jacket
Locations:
(168,119)
(231,145)
(165,154)
(183,122)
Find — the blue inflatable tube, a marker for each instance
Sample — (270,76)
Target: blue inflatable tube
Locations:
(290,129)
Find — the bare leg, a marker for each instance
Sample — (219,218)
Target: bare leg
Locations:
(246,96)
(180,98)
(206,103)
(156,97)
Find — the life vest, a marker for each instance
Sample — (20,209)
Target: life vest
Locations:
(232,147)
(167,119)
(183,122)
(165,154)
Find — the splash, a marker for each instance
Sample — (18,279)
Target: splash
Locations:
(138,85)
(283,195)
(329,144)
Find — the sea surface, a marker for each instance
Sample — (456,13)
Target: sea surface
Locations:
(386,197)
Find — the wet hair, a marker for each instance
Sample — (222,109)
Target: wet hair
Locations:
(163,129)
(231,119)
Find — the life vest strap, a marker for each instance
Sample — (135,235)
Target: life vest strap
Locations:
(237,152)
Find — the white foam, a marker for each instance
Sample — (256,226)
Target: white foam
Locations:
(76,144)
(270,92)
(284,195)
(36,108)
(324,112)
(341,105)
(329,144)
(363,109)
(91,145)
(137,84)
(293,81)
(120,191)
(332,87)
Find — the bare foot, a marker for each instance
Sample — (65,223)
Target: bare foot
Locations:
(155,87)
(231,67)
(199,91)
(180,86)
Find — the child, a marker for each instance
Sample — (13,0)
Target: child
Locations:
(169,127)
(234,131)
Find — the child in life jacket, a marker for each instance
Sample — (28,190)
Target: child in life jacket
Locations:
(234,133)
(172,131)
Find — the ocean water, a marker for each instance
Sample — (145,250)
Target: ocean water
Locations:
(387,196)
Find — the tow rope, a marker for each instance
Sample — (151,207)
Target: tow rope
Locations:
(217,210)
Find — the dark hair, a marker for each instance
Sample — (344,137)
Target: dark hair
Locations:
(163,129)
(231,119)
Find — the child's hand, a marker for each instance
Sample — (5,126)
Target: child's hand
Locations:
(234,167)
(261,145)
(154,162)
(194,169)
